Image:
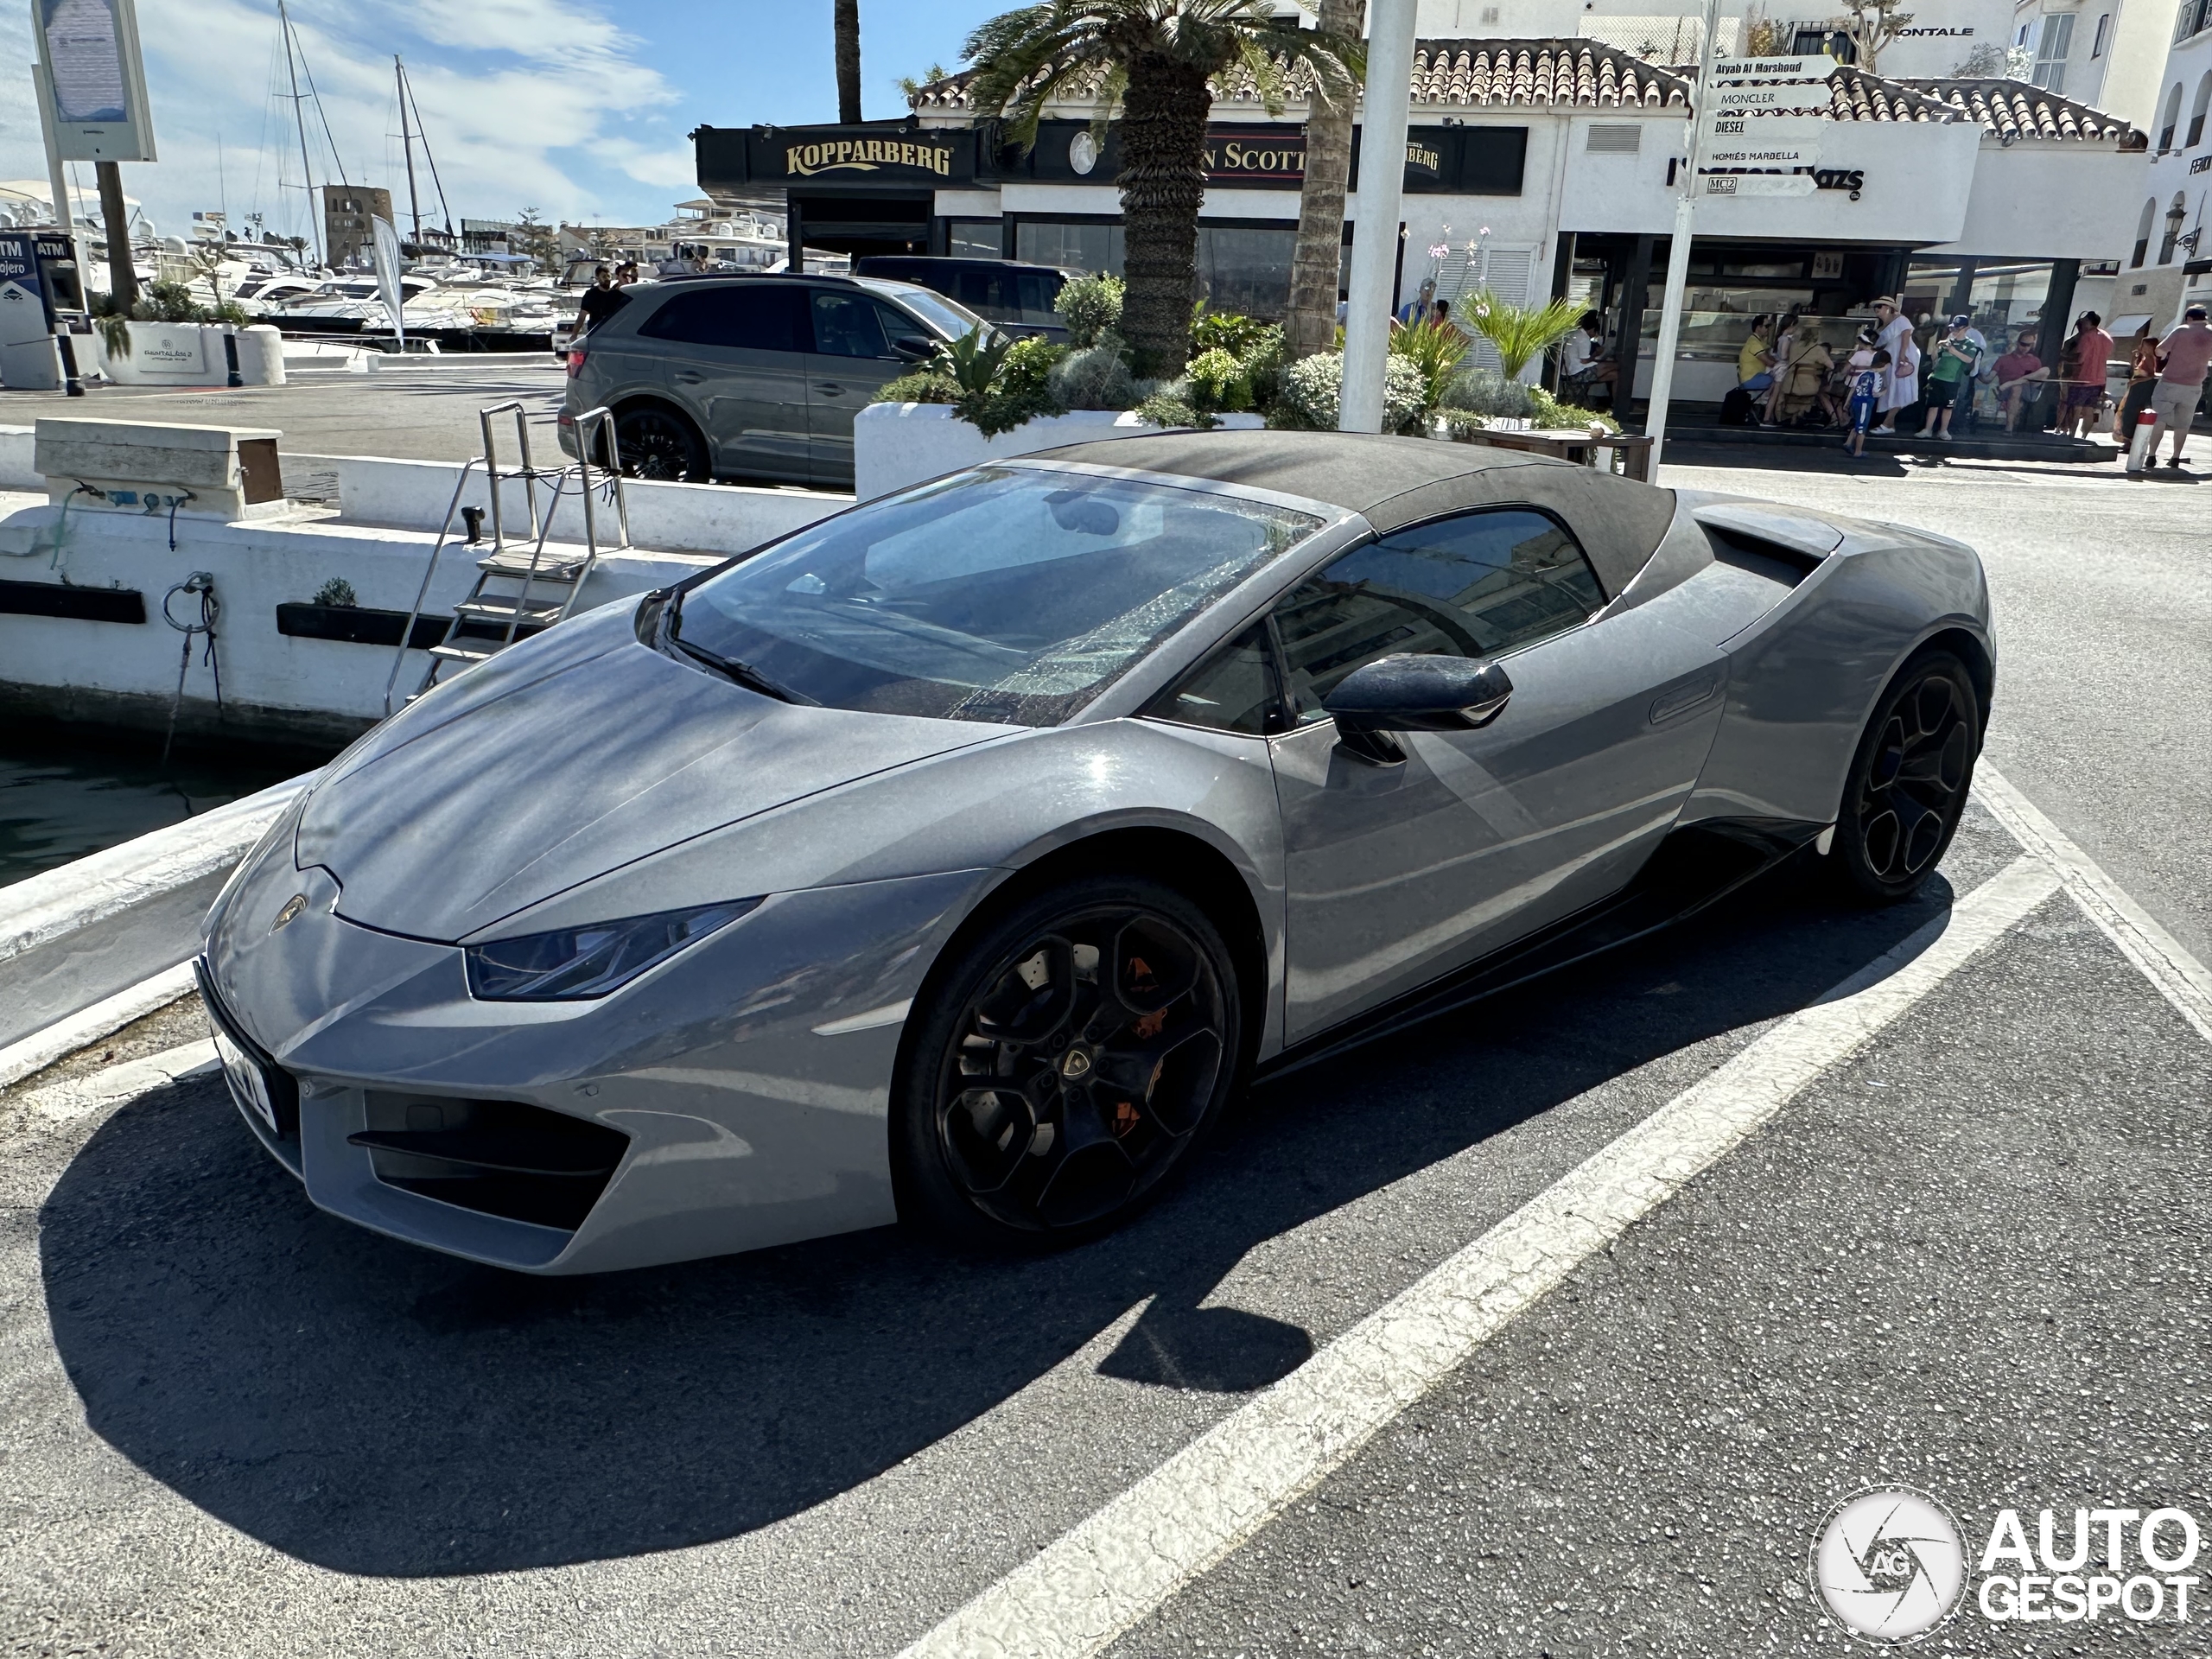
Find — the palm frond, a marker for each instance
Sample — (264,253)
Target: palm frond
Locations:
(1518,331)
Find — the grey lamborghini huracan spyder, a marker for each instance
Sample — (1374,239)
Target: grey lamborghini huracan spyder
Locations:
(955,857)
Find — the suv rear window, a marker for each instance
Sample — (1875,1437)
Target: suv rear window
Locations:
(762,318)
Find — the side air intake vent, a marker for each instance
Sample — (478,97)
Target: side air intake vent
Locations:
(497,1157)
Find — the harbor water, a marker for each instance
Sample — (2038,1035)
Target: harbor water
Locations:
(64,794)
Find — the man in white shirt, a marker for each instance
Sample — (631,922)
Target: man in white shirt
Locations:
(1577,349)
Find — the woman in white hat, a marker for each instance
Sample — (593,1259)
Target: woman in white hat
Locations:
(1893,334)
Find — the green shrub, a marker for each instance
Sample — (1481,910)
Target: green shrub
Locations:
(1552,413)
(1311,386)
(995,385)
(1096,376)
(1226,331)
(338,592)
(1479,392)
(1262,361)
(921,386)
(1434,349)
(1218,381)
(1090,306)
(1172,404)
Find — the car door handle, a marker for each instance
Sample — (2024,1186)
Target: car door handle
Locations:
(1683,698)
(830,388)
(689,377)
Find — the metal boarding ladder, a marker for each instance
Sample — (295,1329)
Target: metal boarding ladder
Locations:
(518,586)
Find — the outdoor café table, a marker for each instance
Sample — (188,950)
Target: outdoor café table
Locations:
(1576,443)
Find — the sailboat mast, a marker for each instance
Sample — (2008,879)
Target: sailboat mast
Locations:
(306,166)
(407,145)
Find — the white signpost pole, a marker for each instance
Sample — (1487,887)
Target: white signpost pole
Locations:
(1383,114)
(1678,253)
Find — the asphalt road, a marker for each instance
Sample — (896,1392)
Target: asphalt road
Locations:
(1965,1256)
(427,411)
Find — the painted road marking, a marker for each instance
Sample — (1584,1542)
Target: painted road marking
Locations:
(1112,1570)
(2164,959)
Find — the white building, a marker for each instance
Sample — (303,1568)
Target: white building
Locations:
(2165,266)
(2107,52)
(1533,166)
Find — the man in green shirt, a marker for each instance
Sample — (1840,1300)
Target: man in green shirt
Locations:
(1950,376)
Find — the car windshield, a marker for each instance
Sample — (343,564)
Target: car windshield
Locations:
(1007,594)
(949,317)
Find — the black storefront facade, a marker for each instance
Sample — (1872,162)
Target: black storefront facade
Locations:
(901,187)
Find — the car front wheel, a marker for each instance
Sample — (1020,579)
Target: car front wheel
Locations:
(1063,1063)
(1909,780)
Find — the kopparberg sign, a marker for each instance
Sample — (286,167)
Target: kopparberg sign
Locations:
(865,156)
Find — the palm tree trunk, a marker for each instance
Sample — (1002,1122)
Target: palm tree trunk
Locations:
(845,20)
(1317,260)
(1162,180)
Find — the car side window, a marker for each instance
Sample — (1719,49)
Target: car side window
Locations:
(1476,584)
(897,325)
(845,324)
(1233,690)
(762,319)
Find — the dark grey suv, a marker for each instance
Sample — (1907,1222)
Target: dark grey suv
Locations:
(751,377)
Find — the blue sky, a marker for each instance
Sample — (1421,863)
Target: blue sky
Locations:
(576,107)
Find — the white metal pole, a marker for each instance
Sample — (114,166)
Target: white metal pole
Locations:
(1678,251)
(1382,184)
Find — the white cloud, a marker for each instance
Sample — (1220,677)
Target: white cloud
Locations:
(529,103)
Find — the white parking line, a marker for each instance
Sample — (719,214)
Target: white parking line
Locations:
(2181,978)
(1113,1570)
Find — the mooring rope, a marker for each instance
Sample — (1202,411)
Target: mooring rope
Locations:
(202,583)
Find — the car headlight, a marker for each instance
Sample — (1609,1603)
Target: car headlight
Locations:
(591,960)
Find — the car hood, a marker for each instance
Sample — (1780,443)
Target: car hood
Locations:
(563,763)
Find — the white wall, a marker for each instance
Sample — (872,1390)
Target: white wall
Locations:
(1917,180)
(2051,199)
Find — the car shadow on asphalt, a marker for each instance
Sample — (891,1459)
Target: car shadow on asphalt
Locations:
(379,1409)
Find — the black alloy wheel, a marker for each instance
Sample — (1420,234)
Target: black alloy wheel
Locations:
(1908,781)
(1069,1061)
(657,444)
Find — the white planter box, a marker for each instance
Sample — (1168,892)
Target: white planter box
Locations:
(897,444)
(168,355)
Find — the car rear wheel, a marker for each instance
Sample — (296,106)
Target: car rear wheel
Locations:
(655,443)
(1064,1063)
(1909,780)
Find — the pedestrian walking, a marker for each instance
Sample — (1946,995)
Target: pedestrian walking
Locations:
(1893,334)
(2183,356)
(2090,352)
(2021,376)
(600,301)
(2142,381)
(1950,376)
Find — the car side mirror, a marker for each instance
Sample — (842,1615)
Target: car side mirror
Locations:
(1413,694)
(914,348)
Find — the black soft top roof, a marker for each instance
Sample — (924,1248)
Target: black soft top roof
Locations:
(1393,482)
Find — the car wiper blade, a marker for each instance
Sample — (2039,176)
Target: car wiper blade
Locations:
(742,674)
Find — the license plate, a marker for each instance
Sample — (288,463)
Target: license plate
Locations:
(248,1086)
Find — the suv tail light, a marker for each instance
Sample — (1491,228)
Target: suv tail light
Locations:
(575,361)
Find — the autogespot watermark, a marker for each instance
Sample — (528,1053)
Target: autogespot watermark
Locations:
(1889,1565)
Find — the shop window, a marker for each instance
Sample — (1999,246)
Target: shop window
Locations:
(975,239)
(1240,268)
(2054,41)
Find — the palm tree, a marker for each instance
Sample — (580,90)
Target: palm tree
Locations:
(845,22)
(1154,60)
(1319,255)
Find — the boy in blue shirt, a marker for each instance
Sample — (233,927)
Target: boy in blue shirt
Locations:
(1864,376)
